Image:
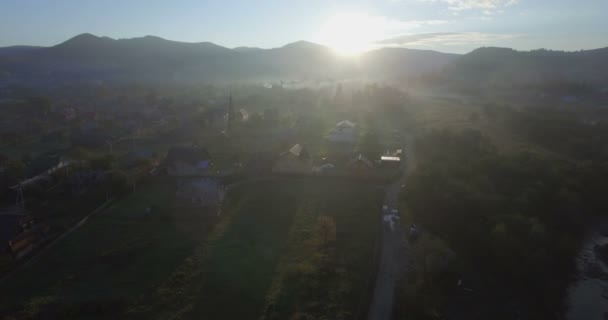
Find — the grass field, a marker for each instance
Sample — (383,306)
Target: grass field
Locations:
(329,263)
(241,264)
(187,265)
(115,257)
(244,265)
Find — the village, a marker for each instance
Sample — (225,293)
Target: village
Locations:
(304,160)
(343,151)
(190,159)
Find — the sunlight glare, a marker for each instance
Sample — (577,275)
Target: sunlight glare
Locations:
(350,33)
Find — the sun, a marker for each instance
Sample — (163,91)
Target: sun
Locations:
(349,33)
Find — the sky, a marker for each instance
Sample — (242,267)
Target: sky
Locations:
(457,26)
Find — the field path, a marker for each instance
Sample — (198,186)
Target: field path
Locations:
(392,259)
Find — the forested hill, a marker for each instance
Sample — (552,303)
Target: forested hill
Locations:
(90,58)
(499,67)
(87,57)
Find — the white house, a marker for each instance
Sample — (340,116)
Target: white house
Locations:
(343,132)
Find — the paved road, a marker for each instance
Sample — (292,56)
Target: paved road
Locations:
(392,255)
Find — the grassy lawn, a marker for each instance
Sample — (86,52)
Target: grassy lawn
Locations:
(115,257)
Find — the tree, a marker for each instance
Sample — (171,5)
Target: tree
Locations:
(271,117)
(255,120)
(509,215)
(26,157)
(15,170)
(38,106)
(104,162)
(370,145)
(117,183)
(79,153)
(474,117)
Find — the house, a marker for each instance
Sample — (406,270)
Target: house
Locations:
(244,114)
(139,156)
(271,117)
(216,117)
(80,180)
(294,161)
(31,238)
(9,228)
(69,113)
(343,132)
(324,169)
(360,165)
(390,161)
(24,235)
(91,116)
(200,192)
(187,161)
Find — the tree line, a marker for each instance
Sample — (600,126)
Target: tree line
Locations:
(517,219)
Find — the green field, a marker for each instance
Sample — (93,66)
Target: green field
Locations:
(255,263)
(241,264)
(327,269)
(115,257)
(254,252)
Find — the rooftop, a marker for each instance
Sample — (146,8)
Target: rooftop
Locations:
(388,158)
(298,151)
(345,124)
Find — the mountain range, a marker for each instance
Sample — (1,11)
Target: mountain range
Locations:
(87,57)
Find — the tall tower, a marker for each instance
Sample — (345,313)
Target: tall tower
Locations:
(230,113)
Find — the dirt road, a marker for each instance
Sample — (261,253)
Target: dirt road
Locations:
(393,257)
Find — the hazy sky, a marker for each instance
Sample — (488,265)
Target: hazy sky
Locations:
(444,25)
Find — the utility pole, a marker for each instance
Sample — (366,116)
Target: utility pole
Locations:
(20,198)
(230,113)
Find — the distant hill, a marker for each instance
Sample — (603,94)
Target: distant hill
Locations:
(497,67)
(87,57)
(400,63)
(15,50)
(247,49)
